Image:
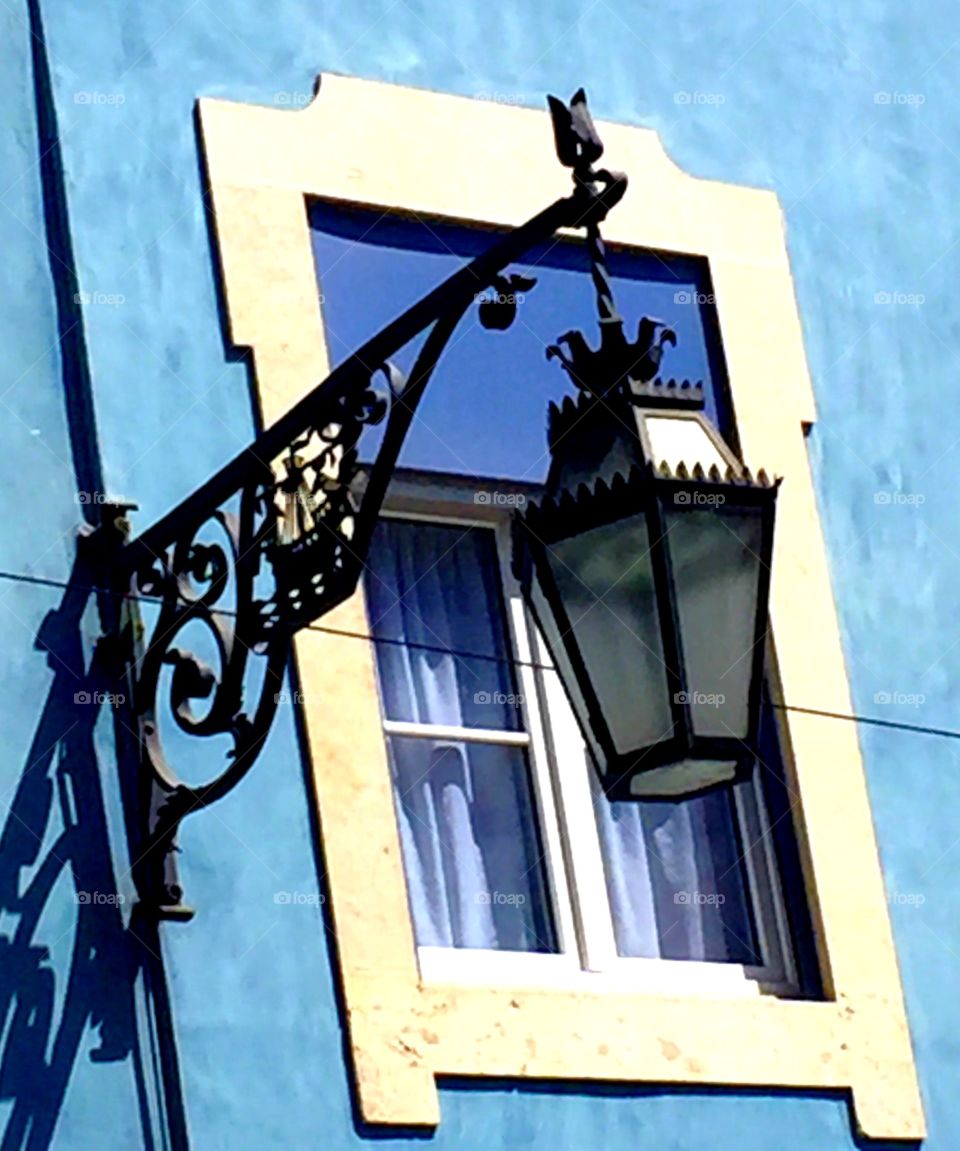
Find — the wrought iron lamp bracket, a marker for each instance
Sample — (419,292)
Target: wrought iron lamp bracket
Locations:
(280,535)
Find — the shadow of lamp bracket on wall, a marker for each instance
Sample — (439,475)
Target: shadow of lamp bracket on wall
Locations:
(645,506)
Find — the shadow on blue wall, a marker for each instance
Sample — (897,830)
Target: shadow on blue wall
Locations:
(61,781)
(62,772)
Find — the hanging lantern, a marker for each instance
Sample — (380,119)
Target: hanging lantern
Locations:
(647,569)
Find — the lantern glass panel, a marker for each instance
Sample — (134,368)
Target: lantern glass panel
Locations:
(675,440)
(715,555)
(605,581)
(559,651)
(685,777)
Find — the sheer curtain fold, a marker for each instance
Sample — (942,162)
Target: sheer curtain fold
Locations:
(675,879)
(465,810)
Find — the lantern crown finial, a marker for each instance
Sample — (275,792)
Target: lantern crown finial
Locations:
(618,364)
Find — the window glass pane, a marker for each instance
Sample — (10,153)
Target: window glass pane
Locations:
(676,879)
(434,595)
(482,414)
(471,848)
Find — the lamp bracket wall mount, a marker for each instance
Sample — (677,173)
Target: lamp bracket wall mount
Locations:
(215,590)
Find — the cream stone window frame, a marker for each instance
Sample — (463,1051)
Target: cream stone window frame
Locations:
(399,149)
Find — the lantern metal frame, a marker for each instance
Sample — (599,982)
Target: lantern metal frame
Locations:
(644,490)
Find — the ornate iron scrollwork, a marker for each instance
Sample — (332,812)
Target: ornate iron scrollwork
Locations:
(293,523)
(280,535)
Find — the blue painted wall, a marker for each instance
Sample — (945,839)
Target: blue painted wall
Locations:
(848,114)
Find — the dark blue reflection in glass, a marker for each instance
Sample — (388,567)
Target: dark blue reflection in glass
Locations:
(372,267)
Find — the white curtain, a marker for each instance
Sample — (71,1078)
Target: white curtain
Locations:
(675,878)
(465,811)
(467,822)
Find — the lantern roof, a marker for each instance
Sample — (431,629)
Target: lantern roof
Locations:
(569,511)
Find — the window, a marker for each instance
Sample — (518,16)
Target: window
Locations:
(406,1030)
(517,866)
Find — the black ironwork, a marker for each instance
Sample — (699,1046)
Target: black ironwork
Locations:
(618,364)
(280,535)
(647,492)
(602,471)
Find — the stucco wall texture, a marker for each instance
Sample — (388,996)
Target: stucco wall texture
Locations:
(847,113)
